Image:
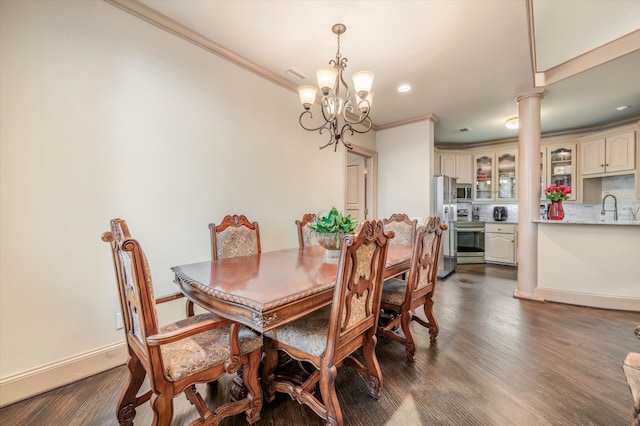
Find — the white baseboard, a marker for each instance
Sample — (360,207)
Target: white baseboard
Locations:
(32,382)
(603,301)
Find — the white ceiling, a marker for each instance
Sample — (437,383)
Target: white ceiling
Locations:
(466,60)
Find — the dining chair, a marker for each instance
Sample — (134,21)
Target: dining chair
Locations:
(234,237)
(174,357)
(400,298)
(304,232)
(326,338)
(402,227)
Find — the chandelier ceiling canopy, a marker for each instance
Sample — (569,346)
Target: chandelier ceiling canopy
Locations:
(339,111)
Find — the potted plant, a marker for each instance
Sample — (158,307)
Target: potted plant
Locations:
(328,229)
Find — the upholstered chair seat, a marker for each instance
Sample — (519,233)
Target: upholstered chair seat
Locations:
(204,350)
(394,291)
(308,334)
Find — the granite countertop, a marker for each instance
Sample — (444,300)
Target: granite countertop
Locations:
(587,221)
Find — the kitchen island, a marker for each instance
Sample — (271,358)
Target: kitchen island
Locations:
(590,262)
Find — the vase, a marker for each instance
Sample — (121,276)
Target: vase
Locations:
(556,212)
(331,243)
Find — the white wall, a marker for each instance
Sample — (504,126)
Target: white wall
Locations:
(405,169)
(103,116)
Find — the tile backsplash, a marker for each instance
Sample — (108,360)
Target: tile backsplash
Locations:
(622,187)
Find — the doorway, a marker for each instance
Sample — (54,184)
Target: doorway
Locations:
(361,183)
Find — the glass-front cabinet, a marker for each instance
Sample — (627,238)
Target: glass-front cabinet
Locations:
(483,187)
(507,184)
(495,176)
(560,168)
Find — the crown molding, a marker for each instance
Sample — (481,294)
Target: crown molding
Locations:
(581,131)
(428,117)
(161,21)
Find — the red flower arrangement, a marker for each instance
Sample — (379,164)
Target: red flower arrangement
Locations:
(556,193)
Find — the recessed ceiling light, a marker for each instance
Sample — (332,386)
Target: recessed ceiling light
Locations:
(623,107)
(404,88)
(512,123)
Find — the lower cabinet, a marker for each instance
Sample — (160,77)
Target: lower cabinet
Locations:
(500,243)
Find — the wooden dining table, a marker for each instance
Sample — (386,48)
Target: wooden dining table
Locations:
(267,290)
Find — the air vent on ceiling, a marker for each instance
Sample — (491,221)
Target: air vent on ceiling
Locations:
(464,129)
(296,73)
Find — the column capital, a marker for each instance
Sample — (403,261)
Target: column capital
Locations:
(534,93)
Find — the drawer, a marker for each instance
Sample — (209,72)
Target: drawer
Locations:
(500,228)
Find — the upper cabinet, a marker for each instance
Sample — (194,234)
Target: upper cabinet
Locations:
(558,166)
(613,154)
(507,172)
(457,166)
(496,176)
(484,183)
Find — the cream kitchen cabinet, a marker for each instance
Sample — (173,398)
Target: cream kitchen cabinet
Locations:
(457,166)
(500,243)
(558,166)
(613,154)
(496,176)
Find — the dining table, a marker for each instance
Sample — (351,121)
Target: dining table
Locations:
(266,290)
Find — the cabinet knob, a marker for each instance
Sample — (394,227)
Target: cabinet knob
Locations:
(601,165)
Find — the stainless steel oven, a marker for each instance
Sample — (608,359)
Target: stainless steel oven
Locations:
(470,242)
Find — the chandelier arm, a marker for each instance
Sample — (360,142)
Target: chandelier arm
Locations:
(360,119)
(332,135)
(324,108)
(313,129)
(346,127)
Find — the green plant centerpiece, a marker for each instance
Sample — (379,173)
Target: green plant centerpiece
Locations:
(328,230)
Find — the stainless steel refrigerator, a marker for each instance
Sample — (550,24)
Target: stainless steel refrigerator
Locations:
(446,207)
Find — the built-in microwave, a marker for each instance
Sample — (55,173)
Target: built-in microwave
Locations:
(463,192)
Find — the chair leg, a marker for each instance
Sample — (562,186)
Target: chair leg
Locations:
(189,307)
(409,341)
(329,396)
(372,367)
(126,410)
(250,378)
(434,329)
(162,406)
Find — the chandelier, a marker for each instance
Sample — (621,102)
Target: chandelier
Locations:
(338,110)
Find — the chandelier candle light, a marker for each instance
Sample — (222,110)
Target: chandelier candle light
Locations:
(340,115)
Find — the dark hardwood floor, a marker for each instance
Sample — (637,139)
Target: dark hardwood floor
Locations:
(498,361)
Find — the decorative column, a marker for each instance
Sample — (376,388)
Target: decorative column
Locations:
(528,193)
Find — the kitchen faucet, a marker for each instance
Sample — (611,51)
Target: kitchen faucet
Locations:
(615,205)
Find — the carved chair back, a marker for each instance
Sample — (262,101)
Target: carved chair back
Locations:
(304,232)
(424,260)
(136,293)
(403,228)
(356,297)
(234,237)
